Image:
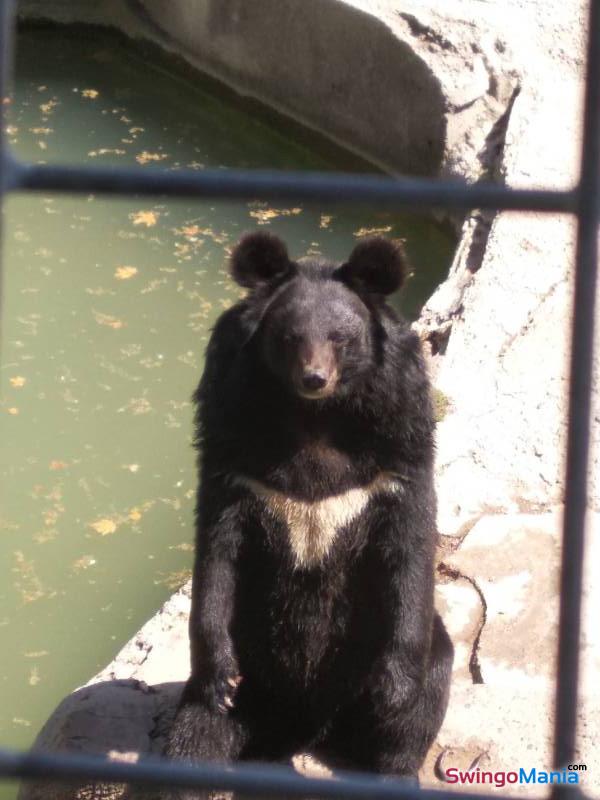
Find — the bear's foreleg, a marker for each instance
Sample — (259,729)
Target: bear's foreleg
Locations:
(409,685)
(204,728)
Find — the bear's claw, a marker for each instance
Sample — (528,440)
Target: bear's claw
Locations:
(225,692)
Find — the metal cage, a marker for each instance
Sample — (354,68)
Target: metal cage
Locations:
(583,201)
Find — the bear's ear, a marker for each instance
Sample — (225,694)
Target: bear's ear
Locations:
(376,266)
(258,259)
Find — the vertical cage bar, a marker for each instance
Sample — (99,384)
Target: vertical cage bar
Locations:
(580,391)
(5,60)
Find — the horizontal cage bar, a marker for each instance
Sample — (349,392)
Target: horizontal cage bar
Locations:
(247,779)
(268,184)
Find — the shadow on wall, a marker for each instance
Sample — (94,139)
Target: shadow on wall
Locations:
(331,66)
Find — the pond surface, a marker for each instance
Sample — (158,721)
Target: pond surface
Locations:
(106,311)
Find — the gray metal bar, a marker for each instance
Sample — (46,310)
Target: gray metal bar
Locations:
(245,779)
(6,24)
(580,391)
(414,193)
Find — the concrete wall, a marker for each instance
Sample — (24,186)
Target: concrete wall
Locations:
(404,89)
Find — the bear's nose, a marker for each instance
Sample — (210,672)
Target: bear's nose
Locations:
(313,381)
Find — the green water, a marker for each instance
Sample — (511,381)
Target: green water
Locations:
(106,313)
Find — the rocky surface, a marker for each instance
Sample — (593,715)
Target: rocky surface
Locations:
(498,335)
(498,593)
(499,326)
(506,635)
(412,91)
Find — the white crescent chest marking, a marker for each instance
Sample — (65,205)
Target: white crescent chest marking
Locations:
(312,526)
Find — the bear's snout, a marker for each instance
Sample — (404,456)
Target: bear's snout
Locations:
(316,373)
(313,381)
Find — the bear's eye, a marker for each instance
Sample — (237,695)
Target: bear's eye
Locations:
(337,337)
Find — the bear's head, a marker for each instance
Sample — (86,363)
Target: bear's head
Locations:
(317,325)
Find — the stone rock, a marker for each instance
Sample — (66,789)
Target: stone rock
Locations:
(513,560)
(499,326)
(430,95)
(125,710)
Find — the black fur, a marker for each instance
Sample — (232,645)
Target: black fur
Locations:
(347,658)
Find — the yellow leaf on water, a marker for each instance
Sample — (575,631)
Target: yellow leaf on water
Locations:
(185,547)
(135,514)
(174,580)
(56,465)
(18,381)
(104,526)
(124,273)
(190,230)
(106,151)
(144,157)
(27,582)
(264,215)
(107,320)
(85,562)
(34,676)
(91,93)
(372,231)
(147,218)
(137,405)
(13,411)
(48,108)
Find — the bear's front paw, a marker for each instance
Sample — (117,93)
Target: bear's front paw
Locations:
(222,690)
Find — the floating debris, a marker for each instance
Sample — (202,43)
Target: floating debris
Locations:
(107,320)
(106,151)
(145,157)
(85,562)
(265,215)
(28,584)
(147,218)
(48,108)
(124,273)
(104,526)
(372,231)
(174,580)
(137,406)
(34,676)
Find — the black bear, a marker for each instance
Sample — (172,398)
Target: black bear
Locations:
(312,624)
